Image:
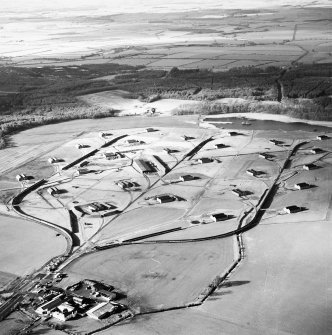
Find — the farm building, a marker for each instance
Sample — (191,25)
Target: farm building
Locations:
(220,146)
(219,217)
(316,150)
(322,137)
(49,306)
(64,312)
(310,166)
(21,177)
(113,155)
(232,133)
(292,209)
(102,311)
(302,186)
(204,160)
(145,166)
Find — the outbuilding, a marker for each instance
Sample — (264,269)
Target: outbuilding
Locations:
(232,133)
(102,310)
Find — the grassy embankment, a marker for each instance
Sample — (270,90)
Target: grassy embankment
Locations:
(50,94)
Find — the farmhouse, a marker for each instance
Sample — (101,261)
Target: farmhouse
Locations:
(292,209)
(310,166)
(145,166)
(322,137)
(102,310)
(302,186)
(64,312)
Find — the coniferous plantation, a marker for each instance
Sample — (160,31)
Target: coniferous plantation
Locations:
(36,96)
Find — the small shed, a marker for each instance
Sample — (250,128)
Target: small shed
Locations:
(232,133)
(252,172)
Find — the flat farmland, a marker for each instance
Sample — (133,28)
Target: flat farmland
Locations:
(23,250)
(156,276)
